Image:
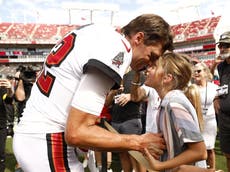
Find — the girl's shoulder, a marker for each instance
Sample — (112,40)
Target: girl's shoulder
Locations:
(175,96)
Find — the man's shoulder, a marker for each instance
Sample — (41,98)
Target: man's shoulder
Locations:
(222,65)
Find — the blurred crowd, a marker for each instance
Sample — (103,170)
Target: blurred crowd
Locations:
(15,91)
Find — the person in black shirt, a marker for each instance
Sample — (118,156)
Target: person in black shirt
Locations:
(126,116)
(26,76)
(222,102)
(6,97)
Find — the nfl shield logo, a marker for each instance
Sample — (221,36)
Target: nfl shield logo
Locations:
(118,59)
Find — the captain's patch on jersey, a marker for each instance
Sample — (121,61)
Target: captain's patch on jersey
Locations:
(118,59)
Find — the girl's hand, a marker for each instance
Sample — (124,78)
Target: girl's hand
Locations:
(155,151)
(123,99)
(155,164)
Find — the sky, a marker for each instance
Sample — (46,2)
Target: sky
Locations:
(58,11)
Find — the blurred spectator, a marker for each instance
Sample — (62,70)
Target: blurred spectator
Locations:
(99,159)
(102,156)
(142,111)
(10,110)
(222,101)
(26,76)
(150,95)
(6,97)
(153,102)
(126,117)
(203,77)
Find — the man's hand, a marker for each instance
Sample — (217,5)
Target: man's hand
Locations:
(155,144)
(5,83)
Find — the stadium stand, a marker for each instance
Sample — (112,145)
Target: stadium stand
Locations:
(44,33)
(64,29)
(51,32)
(212,24)
(30,42)
(20,31)
(195,30)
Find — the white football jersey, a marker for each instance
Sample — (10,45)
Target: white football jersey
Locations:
(53,93)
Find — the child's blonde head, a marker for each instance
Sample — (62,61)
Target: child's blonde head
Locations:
(179,66)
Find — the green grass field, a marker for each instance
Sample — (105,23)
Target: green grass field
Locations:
(10,159)
(11,162)
(220,159)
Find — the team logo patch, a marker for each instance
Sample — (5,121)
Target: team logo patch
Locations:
(118,59)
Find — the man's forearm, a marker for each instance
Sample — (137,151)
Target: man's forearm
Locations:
(82,131)
(88,135)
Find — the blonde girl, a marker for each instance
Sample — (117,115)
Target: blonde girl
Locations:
(177,117)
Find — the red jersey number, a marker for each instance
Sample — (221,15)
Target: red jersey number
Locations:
(60,51)
(58,54)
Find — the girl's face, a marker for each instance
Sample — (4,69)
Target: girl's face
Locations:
(154,76)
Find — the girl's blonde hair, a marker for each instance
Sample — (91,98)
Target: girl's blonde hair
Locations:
(193,95)
(180,67)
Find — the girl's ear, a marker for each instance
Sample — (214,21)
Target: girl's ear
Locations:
(167,78)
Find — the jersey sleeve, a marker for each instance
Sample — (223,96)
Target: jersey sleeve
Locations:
(91,93)
(94,63)
(109,52)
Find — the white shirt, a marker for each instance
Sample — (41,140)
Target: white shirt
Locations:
(207,95)
(152,109)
